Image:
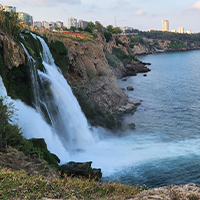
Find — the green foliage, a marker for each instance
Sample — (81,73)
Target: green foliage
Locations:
(13,136)
(112,60)
(34,48)
(137,40)
(96,117)
(118,41)
(90,74)
(87,30)
(108,36)
(80,29)
(98,26)
(102,73)
(9,23)
(12,133)
(40,145)
(177,44)
(60,55)
(91,26)
(72,28)
(123,57)
(117,30)
(16,81)
(109,28)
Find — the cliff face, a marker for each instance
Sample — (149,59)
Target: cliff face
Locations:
(158,46)
(90,75)
(14,54)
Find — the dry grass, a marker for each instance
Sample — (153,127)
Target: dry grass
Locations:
(18,185)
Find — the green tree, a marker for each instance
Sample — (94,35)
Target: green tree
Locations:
(90,26)
(117,30)
(73,28)
(109,28)
(99,27)
(9,23)
(80,29)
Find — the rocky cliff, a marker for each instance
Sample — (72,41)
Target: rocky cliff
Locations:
(148,46)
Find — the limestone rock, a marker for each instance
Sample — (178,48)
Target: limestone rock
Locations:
(130,88)
(81,169)
(14,54)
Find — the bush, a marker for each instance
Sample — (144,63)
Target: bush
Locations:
(108,36)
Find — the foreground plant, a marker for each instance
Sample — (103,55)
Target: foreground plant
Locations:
(18,185)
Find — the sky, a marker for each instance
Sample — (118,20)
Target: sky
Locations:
(139,14)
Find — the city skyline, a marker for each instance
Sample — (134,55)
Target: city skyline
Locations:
(140,14)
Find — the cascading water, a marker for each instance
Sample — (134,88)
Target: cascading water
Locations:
(56,101)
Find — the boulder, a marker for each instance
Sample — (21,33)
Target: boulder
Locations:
(76,169)
(130,88)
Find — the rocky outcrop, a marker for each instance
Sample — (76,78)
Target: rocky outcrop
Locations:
(185,192)
(14,160)
(89,72)
(14,54)
(81,169)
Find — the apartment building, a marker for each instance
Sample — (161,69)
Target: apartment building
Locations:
(165,25)
(72,22)
(82,24)
(25,18)
(37,24)
(59,24)
(8,8)
(181,30)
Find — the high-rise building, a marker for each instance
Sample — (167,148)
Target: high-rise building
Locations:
(165,24)
(189,32)
(45,24)
(72,22)
(37,24)
(25,17)
(59,24)
(181,30)
(82,24)
(8,8)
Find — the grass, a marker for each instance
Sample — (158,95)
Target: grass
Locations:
(18,185)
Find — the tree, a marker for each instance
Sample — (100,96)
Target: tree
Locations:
(90,26)
(117,30)
(80,29)
(99,26)
(109,28)
(73,28)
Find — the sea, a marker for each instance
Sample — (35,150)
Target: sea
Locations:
(165,145)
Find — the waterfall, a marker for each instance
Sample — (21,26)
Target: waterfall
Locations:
(54,100)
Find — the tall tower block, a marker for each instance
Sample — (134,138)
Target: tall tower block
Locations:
(165,25)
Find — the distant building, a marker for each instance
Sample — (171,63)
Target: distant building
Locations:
(72,22)
(124,28)
(173,31)
(181,30)
(37,24)
(152,29)
(189,32)
(82,24)
(59,24)
(165,25)
(25,18)
(45,24)
(8,8)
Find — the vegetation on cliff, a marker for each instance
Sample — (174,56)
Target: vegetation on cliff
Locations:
(12,134)
(9,23)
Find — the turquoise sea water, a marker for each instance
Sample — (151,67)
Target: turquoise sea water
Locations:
(165,146)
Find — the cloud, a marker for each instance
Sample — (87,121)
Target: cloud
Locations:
(140,12)
(40,2)
(195,6)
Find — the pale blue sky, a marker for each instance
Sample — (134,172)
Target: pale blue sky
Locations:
(140,14)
